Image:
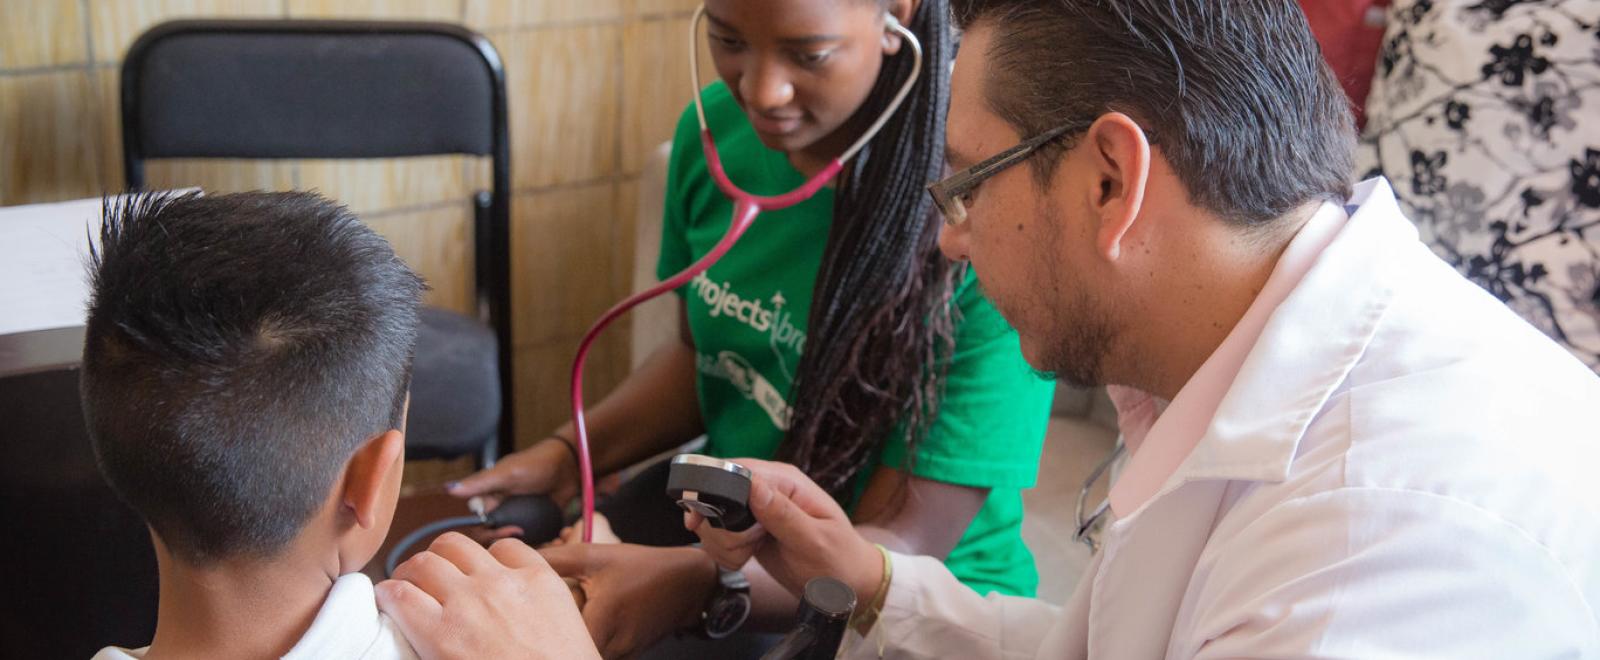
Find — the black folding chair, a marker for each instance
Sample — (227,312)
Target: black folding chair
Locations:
(353,89)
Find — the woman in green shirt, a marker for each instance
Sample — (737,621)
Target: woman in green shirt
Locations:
(833,336)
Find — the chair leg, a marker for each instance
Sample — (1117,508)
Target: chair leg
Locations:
(488,454)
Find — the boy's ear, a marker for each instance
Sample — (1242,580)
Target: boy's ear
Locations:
(372,466)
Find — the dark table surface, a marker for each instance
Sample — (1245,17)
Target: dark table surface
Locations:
(411,513)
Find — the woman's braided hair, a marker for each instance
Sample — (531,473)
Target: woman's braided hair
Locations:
(881,328)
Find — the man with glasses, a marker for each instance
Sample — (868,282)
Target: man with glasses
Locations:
(1337,447)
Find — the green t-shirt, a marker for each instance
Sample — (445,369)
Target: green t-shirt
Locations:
(748,317)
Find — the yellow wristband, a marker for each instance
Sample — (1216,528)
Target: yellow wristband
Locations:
(865,617)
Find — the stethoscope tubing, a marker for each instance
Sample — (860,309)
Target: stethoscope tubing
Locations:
(746,207)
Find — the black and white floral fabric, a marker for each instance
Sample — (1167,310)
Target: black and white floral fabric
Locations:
(1485,115)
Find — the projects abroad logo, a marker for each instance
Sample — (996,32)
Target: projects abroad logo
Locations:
(732,367)
(774,321)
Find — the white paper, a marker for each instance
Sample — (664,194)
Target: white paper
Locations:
(43,252)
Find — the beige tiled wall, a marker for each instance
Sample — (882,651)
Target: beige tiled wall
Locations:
(593,84)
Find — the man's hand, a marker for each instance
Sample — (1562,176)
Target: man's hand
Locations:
(459,601)
(636,595)
(801,534)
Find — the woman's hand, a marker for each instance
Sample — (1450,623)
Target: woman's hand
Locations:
(603,535)
(636,595)
(546,468)
(458,600)
(801,534)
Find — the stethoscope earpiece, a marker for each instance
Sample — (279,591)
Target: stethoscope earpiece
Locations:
(890,23)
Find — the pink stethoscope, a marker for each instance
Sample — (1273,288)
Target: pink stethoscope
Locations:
(745,209)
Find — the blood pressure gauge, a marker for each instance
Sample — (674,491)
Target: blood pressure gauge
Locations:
(717,489)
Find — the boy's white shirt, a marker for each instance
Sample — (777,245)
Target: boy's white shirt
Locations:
(349,625)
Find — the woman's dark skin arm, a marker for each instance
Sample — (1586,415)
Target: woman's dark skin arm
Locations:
(928,518)
(655,409)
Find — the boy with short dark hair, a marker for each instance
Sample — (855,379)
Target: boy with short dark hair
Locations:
(246,367)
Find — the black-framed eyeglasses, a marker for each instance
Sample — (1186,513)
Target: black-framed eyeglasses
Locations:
(950,192)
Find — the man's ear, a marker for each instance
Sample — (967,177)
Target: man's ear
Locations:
(369,469)
(1119,155)
(901,10)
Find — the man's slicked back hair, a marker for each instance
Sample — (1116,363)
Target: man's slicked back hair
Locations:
(238,350)
(1235,93)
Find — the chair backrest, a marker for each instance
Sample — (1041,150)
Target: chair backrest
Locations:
(332,89)
(310,89)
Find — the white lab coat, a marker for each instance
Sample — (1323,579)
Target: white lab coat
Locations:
(1402,468)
